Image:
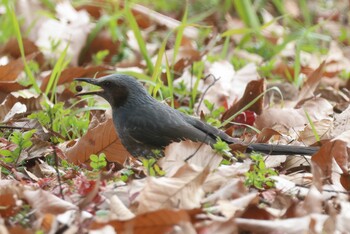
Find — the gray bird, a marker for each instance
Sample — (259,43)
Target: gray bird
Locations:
(144,124)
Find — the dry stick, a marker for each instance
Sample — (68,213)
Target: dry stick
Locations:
(56,163)
(13,127)
(57,171)
(206,90)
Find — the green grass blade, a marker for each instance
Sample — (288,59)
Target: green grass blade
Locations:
(179,34)
(170,79)
(158,67)
(137,32)
(18,35)
(227,121)
(247,13)
(314,131)
(60,65)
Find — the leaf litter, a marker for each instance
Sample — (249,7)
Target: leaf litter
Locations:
(52,186)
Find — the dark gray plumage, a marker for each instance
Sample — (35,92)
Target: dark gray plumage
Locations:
(143,123)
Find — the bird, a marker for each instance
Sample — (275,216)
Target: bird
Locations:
(145,124)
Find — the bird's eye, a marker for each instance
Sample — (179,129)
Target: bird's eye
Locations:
(107,83)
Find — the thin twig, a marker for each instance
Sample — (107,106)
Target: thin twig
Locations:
(206,90)
(57,171)
(13,127)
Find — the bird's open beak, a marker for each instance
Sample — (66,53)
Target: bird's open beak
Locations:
(90,81)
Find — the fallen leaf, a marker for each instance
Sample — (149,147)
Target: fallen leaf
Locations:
(183,190)
(45,202)
(176,154)
(311,83)
(119,209)
(12,48)
(219,177)
(253,89)
(293,225)
(103,41)
(101,138)
(333,159)
(31,104)
(154,222)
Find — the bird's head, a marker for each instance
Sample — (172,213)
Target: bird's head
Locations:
(117,89)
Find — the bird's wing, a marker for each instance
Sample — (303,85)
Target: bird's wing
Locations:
(160,126)
(210,130)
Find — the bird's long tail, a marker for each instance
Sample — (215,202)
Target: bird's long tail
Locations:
(281,149)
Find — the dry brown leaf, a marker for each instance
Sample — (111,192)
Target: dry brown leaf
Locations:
(322,127)
(216,179)
(233,189)
(183,190)
(231,208)
(311,83)
(286,117)
(231,84)
(333,159)
(341,123)
(317,108)
(185,57)
(9,74)
(101,138)
(89,197)
(8,204)
(95,9)
(11,71)
(69,74)
(313,202)
(119,209)
(31,104)
(45,202)
(103,41)
(284,70)
(176,153)
(47,222)
(293,225)
(227,227)
(254,211)
(266,134)
(254,88)
(155,222)
(288,90)
(29,47)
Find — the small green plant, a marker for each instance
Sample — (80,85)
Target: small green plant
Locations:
(98,161)
(214,115)
(23,216)
(63,122)
(152,167)
(22,140)
(67,165)
(126,173)
(259,176)
(222,147)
